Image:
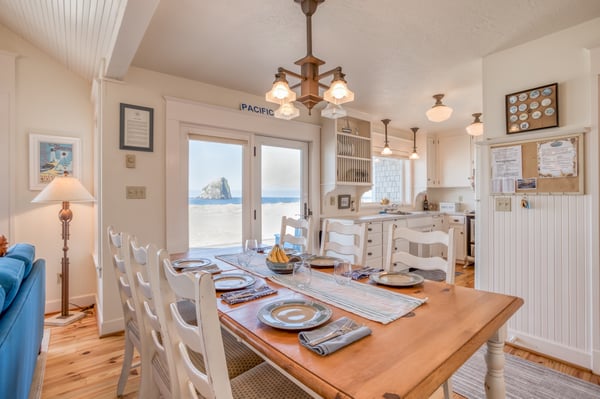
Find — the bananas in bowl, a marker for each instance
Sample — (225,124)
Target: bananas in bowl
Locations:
(279,262)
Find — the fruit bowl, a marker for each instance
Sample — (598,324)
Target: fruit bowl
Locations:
(283,268)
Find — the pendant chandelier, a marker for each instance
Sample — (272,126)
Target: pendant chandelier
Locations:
(335,94)
(386,146)
(476,128)
(414,154)
(439,112)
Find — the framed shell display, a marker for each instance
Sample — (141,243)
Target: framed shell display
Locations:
(538,106)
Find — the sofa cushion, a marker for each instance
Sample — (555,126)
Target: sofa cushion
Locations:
(11,275)
(24,252)
(2,298)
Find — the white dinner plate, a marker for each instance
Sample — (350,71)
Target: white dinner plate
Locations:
(189,262)
(294,314)
(228,282)
(322,261)
(397,279)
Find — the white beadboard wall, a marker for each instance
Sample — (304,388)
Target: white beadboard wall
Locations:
(541,255)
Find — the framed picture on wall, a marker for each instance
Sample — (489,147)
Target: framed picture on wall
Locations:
(532,109)
(51,156)
(343,201)
(136,128)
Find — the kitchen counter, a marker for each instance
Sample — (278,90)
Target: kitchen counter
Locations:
(380,217)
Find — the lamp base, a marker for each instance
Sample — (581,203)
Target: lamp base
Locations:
(60,320)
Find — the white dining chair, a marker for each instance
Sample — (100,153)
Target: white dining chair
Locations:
(155,344)
(347,241)
(297,232)
(132,320)
(398,259)
(204,341)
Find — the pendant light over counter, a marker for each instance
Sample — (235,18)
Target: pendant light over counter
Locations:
(386,145)
(414,154)
(439,112)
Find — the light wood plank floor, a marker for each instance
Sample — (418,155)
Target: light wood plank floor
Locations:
(81,365)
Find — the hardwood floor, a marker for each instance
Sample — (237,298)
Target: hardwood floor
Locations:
(81,365)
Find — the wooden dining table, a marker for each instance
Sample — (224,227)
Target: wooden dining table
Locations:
(407,358)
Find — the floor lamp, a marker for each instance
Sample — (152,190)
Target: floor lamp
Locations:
(64,189)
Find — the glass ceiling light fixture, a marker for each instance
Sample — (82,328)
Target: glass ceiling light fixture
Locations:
(439,112)
(335,94)
(386,146)
(475,128)
(414,154)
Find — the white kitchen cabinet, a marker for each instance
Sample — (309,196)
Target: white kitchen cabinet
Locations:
(399,245)
(438,225)
(374,247)
(346,152)
(448,161)
(457,222)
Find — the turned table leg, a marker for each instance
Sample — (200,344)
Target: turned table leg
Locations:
(495,387)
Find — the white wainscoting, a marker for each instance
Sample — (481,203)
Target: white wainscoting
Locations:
(542,255)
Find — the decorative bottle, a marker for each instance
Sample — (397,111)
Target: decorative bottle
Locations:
(425,204)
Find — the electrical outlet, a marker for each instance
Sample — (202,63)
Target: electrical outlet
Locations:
(503,204)
(135,192)
(130,161)
(332,201)
(58,278)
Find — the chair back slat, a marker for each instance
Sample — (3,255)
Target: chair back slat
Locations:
(346,241)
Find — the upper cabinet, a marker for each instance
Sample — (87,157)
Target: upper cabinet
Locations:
(448,161)
(346,152)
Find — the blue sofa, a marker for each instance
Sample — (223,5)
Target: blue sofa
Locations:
(22,301)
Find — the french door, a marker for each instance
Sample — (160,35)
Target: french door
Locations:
(240,187)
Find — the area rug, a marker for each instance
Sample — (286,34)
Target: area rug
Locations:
(524,380)
(38,375)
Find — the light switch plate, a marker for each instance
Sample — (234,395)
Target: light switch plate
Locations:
(130,160)
(503,204)
(135,192)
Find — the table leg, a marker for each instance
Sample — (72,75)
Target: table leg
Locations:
(495,387)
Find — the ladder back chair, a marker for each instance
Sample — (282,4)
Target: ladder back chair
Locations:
(118,243)
(398,258)
(347,241)
(304,226)
(204,340)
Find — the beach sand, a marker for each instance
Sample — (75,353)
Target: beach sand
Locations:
(221,225)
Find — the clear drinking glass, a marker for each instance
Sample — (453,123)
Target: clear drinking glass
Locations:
(302,274)
(342,272)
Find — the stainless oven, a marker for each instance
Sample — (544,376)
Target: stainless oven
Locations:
(471,237)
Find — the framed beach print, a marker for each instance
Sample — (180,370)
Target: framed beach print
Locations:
(51,156)
(136,128)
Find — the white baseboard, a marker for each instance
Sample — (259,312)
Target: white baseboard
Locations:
(552,349)
(596,362)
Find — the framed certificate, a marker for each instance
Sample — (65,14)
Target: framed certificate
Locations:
(136,128)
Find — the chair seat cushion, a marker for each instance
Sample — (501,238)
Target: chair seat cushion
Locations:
(265,382)
(11,275)
(24,252)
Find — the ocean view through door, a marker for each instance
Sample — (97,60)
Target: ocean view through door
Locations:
(238,190)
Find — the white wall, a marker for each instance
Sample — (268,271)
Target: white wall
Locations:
(50,100)
(546,254)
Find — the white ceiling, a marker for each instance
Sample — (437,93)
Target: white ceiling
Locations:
(396,53)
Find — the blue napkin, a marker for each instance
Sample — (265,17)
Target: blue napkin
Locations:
(351,332)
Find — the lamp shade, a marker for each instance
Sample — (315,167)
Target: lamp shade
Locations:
(475,128)
(287,111)
(439,112)
(64,188)
(333,111)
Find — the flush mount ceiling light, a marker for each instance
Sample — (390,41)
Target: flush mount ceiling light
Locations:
(386,146)
(475,128)
(414,154)
(439,112)
(335,94)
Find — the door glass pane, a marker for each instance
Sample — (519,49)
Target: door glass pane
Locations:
(215,194)
(281,188)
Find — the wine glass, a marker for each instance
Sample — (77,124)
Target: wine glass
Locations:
(250,247)
(342,272)
(302,274)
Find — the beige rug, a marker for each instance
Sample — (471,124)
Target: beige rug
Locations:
(38,374)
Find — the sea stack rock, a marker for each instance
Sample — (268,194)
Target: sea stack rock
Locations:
(217,189)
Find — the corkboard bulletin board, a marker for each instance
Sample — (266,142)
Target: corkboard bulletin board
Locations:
(565,184)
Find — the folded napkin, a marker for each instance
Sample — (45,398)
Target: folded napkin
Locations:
(333,336)
(363,272)
(248,294)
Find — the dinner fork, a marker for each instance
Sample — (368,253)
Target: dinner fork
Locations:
(343,329)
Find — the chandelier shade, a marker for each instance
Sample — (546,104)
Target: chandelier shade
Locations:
(333,111)
(476,127)
(309,78)
(438,112)
(287,111)
(414,154)
(386,146)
